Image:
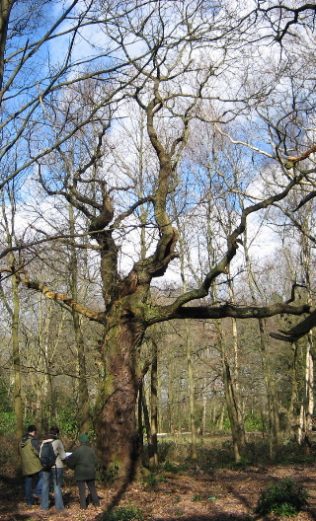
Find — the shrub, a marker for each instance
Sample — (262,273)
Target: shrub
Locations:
(253,423)
(173,468)
(285,510)
(108,475)
(9,457)
(152,480)
(166,449)
(67,421)
(284,496)
(124,514)
(5,405)
(7,423)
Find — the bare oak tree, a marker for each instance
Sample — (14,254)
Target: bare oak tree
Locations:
(177,63)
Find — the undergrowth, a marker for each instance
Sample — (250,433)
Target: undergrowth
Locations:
(286,497)
(129,513)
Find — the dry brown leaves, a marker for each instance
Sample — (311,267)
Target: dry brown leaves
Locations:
(224,495)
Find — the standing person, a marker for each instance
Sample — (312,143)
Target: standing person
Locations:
(83,460)
(31,465)
(53,470)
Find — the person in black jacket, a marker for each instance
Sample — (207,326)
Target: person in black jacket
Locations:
(83,461)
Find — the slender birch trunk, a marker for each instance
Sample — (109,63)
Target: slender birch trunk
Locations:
(204,413)
(146,417)
(272,413)
(272,424)
(188,342)
(15,310)
(170,403)
(153,456)
(18,401)
(307,405)
(84,419)
(235,376)
(292,410)
(140,415)
(191,390)
(237,429)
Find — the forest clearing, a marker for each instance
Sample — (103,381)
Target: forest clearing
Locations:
(212,488)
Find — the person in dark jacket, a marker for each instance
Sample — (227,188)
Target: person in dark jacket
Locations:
(31,465)
(83,461)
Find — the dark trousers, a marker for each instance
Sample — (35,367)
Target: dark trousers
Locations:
(92,490)
(28,486)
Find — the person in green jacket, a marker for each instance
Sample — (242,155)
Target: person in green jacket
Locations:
(31,465)
(83,461)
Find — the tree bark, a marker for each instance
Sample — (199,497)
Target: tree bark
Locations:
(307,406)
(238,433)
(116,404)
(84,420)
(268,380)
(237,430)
(191,393)
(153,453)
(266,368)
(204,412)
(9,227)
(5,11)
(292,411)
(18,401)
(146,417)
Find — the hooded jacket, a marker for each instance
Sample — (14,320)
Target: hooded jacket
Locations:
(29,455)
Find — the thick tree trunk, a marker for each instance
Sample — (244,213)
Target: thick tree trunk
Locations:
(117,435)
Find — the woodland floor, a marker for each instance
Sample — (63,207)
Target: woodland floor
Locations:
(224,495)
